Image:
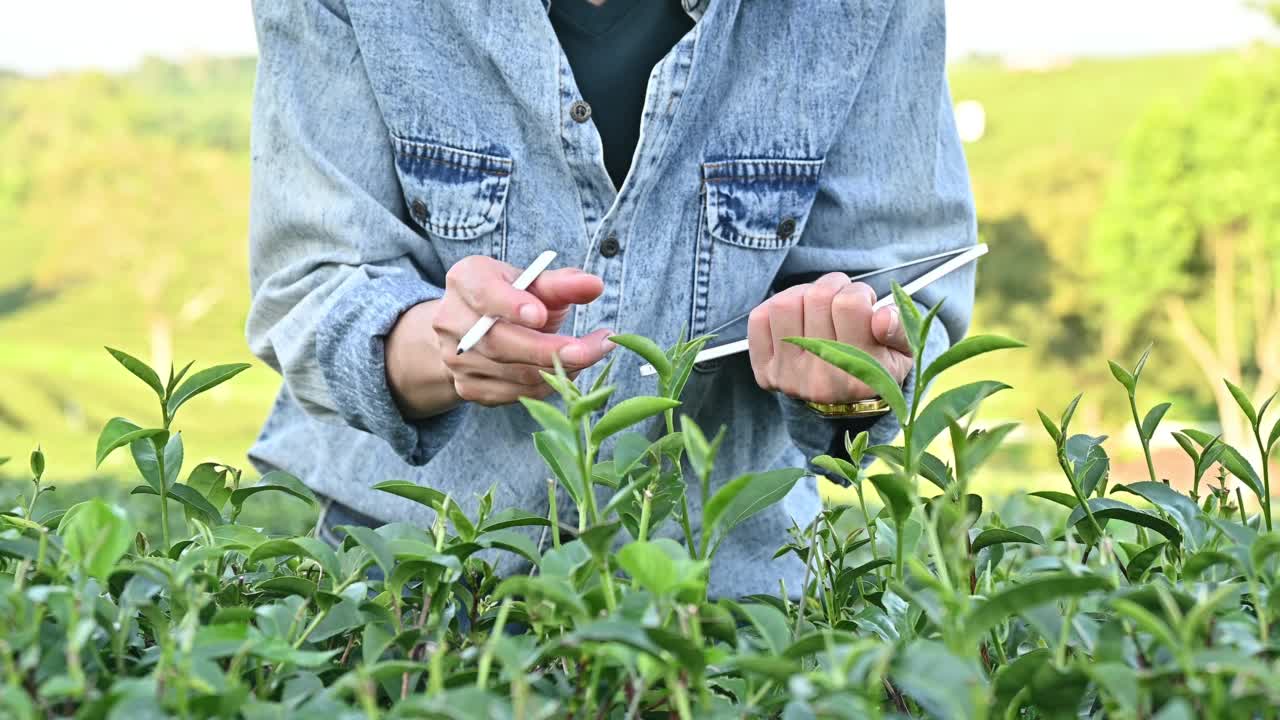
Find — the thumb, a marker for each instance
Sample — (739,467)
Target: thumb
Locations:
(888,330)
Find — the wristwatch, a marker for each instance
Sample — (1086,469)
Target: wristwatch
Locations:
(871,407)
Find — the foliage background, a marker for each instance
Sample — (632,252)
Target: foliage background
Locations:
(123,208)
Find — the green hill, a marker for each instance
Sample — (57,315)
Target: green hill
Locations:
(123,206)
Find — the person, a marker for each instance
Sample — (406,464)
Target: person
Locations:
(681,156)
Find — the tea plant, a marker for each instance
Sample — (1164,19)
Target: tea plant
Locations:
(1134,601)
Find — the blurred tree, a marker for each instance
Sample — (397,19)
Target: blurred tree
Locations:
(1270,7)
(1190,233)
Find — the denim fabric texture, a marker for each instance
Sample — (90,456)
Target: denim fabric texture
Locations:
(392,139)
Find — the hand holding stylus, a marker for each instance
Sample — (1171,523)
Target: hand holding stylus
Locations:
(428,374)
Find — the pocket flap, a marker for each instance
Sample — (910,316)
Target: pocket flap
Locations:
(760,203)
(452,193)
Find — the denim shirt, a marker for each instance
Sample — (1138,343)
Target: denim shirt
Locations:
(392,139)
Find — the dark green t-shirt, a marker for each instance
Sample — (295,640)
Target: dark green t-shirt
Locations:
(611,49)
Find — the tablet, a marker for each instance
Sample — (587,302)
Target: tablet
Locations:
(731,337)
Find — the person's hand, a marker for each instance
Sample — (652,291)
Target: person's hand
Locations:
(832,308)
(428,376)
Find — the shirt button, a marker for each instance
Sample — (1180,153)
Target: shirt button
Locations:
(419,210)
(580,111)
(786,228)
(610,246)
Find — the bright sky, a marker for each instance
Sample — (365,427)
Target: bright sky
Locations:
(40,37)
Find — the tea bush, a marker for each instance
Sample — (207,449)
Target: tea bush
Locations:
(1140,601)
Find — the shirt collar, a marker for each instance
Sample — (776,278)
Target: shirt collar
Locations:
(695,8)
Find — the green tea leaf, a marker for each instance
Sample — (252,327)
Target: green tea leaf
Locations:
(1231,459)
(1152,420)
(1066,500)
(1142,561)
(895,494)
(701,453)
(909,313)
(647,349)
(944,684)
(1124,377)
(967,348)
(998,536)
(860,365)
(287,585)
(563,463)
(1107,509)
(140,370)
(589,403)
(1024,596)
(95,535)
(373,543)
(1186,513)
(745,496)
(1242,399)
(1050,427)
(202,382)
(1187,446)
(190,498)
(983,444)
(549,417)
(660,566)
(175,378)
(514,517)
(947,407)
(838,467)
(513,542)
(433,499)
(275,481)
(120,432)
(628,413)
(1069,413)
(1147,622)
(210,480)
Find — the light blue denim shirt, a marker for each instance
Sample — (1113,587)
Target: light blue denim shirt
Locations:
(392,139)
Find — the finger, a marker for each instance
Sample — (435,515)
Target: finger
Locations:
(452,319)
(760,345)
(818,322)
(588,351)
(484,284)
(786,319)
(887,328)
(473,363)
(508,343)
(851,313)
(491,392)
(558,289)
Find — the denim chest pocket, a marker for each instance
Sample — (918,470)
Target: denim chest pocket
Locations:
(458,197)
(754,211)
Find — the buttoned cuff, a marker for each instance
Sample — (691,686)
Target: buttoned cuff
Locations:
(351,349)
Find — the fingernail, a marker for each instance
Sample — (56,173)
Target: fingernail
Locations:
(895,320)
(606,344)
(529,314)
(870,294)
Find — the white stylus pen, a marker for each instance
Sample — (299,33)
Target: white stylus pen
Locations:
(910,288)
(482,326)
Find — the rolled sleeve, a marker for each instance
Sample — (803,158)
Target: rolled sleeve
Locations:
(351,349)
(333,260)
